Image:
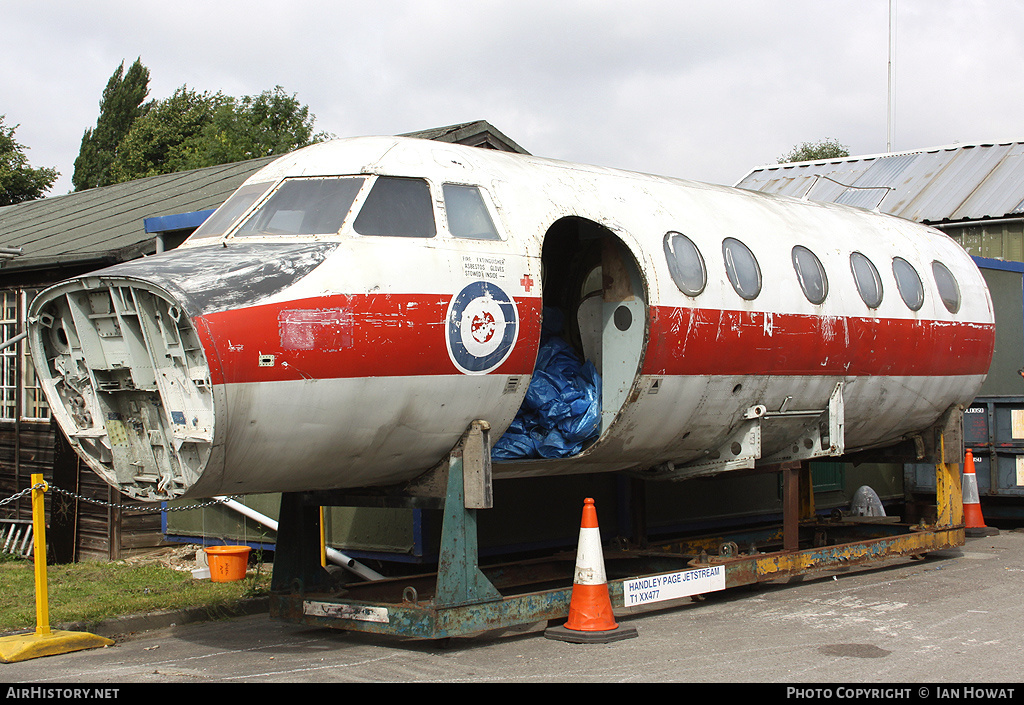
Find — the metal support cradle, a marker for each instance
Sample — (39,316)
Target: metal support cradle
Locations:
(465,598)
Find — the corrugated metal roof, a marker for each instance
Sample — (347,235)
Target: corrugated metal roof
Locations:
(939,184)
(107,223)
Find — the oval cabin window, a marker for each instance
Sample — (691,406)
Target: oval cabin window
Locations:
(869,284)
(685,264)
(909,283)
(811,274)
(949,290)
(742,268)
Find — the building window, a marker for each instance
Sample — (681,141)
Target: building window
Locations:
(17,374)
(9,355)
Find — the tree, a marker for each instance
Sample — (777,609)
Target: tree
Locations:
(120,106)
(809,151)
(192,130)
(167,138)
(256,126)
(18,181)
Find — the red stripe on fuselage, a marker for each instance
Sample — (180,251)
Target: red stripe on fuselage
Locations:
(395,335)
(348,336)
(687,341)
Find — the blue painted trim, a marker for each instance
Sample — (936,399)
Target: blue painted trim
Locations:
(988,263)
(178,221)
(418,533)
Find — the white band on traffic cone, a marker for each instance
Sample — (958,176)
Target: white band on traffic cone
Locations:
(589,558)
(970,492)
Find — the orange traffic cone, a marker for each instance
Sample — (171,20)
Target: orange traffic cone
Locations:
(590,609)
(973,519)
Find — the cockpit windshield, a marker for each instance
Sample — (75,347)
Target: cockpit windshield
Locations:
(304,206)
(225,216)
(397,207)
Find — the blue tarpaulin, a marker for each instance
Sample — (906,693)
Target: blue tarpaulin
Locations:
(562,409)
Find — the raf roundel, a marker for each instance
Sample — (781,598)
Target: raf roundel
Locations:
(482,327)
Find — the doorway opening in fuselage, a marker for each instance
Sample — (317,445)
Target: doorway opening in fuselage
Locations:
(592,342)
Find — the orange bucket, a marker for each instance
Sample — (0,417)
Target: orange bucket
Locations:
(227,563)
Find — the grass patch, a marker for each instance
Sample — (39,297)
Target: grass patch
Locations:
(93,591)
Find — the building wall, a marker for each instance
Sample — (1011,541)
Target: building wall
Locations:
(999,240)
(103,524)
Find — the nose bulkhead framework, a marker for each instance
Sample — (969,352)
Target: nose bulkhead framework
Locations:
(127,381)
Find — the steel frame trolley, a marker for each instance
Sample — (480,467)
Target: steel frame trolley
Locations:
(464,598)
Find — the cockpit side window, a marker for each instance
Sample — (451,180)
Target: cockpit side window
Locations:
(225,216)
(467,213)
(304,206)
(397,207)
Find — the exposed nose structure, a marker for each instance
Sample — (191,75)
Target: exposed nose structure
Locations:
(129,382)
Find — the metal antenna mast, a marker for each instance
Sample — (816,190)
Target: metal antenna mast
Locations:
(891,109)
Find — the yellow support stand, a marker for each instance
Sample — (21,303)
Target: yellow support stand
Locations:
(323,540)
(21,647)
(949,498)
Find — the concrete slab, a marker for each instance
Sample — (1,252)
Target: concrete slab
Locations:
(952,618)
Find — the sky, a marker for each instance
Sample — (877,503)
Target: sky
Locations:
(698,89)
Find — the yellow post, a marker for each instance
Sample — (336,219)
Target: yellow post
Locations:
(323,540)
(806,491)
(44,642)
(39,488)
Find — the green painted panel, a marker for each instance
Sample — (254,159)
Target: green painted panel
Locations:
(545,512)
(828,476)
(1004,378)
(356,528)
(996,241)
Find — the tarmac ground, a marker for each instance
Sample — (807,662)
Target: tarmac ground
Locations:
(945,625)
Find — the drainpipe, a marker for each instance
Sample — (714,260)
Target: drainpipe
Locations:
(333,555)
(957,224)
